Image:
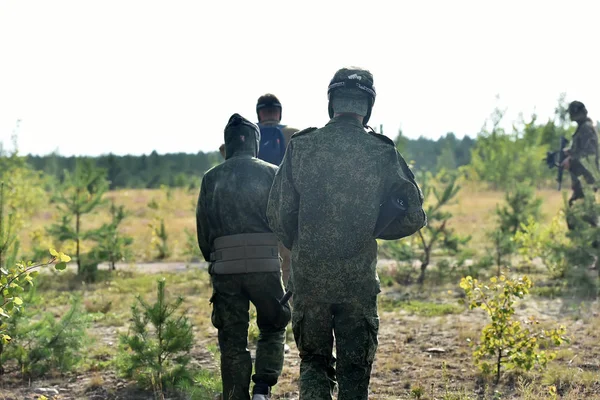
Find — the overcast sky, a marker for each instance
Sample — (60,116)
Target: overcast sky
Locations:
(129,77)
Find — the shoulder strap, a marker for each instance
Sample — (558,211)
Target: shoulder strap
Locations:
(303,132)
(381,137)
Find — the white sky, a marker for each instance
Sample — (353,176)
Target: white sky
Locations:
(135,76)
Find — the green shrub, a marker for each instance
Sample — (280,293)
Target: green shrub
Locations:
(505,341)
(43,343)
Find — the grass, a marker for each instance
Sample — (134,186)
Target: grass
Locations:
(473,214)
(474,207)
(420,308)
(413,318)
(409,327)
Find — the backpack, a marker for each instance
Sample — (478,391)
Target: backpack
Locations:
(272,144)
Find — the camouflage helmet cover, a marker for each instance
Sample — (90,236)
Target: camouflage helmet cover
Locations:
(352,82)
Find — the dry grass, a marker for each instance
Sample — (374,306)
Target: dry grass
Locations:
(474,207)
(473,214)
(176,206)
(413,319)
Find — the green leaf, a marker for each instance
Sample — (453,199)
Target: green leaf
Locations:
(18,301)
(54,252)
(61,266)
(63,257)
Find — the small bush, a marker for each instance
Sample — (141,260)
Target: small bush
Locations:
(509,343)
(43,343)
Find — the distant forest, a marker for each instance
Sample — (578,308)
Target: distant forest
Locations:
(186,170)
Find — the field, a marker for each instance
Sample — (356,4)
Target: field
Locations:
(423,341)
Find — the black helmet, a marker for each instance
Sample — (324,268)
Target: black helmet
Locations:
(353,81)
(576,107)
(268,101)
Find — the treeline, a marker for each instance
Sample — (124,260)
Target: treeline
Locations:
(448,152)
(497,156)
(185,170)
(145,171)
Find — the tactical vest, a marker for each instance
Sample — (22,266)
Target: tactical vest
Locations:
(245,253)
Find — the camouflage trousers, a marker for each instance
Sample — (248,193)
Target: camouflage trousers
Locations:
(586,169)
(231,299)
(355,326)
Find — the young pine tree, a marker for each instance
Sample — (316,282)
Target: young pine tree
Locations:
(112,245)
(8,238)
(80,194)
(583,250)
(520,206)
(157,355)
(42,342)
(437,233)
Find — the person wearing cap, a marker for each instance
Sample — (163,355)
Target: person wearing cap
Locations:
(235,238)
(269,112)
(582,156)
(324,205)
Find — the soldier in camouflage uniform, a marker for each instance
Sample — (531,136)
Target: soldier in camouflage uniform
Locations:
(268,112)
(582,160)
(234,236)
(324,205)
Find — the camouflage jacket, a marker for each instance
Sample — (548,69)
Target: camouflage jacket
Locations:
(585,141)
(233,196)
(325,202)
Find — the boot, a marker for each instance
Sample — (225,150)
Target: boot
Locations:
(261,391)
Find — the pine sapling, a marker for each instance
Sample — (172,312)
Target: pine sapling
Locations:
(437,233)
(80,194)
(112,244)
(160,238)
(156,351)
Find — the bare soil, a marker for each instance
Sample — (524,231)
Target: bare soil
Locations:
(417,356)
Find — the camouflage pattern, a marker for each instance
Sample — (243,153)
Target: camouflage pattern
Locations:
(233,195)
(584,158)
(355,325)
(233,200)
(284,253)
(231,297)
(324,205)
(348,90)
(348,104)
